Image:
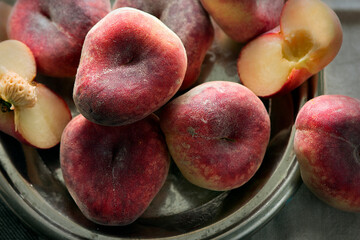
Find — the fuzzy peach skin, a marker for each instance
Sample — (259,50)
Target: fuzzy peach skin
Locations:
(131,65)
(217,133)
(113,173)
(327,147)
(242,20)
(55,31)
(308,39)
(189,21)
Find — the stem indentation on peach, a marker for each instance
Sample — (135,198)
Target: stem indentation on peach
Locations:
(48,17)
(130,59)
(228,139)
(45,14)
(118,159)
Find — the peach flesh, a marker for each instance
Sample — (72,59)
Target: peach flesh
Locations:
(17,58)
(217,134)
(189,21)
(30,111)
(55,31)
(327,146)
(113,173)
(131,65)
(311,39)
(39,125)
(17,64)
(43,124)
(7,126)
(280,60)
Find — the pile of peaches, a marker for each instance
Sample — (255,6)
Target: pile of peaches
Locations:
(135,65)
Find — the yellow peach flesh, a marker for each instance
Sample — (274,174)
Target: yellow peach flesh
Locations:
(17,57)
(17,70)
(308,39)
(262,66)
(38,114)
(313,28)
(297,46)
(42,125)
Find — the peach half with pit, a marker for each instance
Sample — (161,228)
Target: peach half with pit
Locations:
(307,40)
(30,112)
(131,65)
(5,10)
(217,133)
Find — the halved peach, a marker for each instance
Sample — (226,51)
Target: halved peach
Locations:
(30,112)
(308,39)
(243,20)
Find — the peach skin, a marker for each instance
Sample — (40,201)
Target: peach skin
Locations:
(277,62)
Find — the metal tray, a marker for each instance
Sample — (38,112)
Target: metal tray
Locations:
(32,186)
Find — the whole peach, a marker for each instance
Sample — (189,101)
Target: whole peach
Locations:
(55,31)
(217,133)
(131,65)
(113,173)
(244,20)
(327,147)
(189,21)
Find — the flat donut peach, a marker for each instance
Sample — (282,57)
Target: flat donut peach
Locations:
(55,31)
(217,133)
(189,21)
(113,173)
(131,65)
